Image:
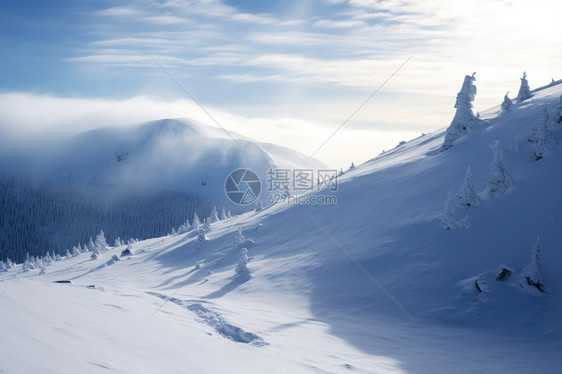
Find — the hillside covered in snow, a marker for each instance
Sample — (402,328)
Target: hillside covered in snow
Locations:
(131,181)
(420,267)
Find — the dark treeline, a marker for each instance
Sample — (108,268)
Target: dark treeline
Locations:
(40,217)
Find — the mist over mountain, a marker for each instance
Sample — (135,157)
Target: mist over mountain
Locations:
(130,181)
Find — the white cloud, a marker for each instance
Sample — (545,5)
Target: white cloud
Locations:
(120,12)
(338,24)
(54,117)
(345,53)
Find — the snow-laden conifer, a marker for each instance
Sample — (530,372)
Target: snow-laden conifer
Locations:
(524,90)
(466,196)
(242,267)
(542,137)
(464,120)
(506,104)
(499,179)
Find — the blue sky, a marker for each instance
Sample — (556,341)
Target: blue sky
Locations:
(280,71)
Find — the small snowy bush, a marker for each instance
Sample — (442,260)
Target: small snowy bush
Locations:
(531,275)
(239,237)
(466,196)
(506,104)
(201,237)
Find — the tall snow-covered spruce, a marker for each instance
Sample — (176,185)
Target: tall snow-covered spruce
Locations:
(214,215)
(524,90)
(100,242)
(499,179)
(196,221)
(541,136)
(464,119)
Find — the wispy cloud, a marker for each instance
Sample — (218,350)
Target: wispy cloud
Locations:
(48,122)
(318,62)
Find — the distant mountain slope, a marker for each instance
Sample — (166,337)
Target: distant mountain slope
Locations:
(169,154)
(54,195)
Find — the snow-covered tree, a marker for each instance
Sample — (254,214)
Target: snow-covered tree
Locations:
(499,179)
(242,267)
(351,167)
(94,255)
(524,90)
(207,225)
(223,213)
(507,103)
(185,227)
(37,261)
(27,266)
(75,251)
(229,214)
(201,237)
(541,136)
(100,242)
(47,259)
(257,207)
(173,232)
(2,266)
(447,218)
(239,237)
(464,119)
(531,275)
(196,222)
(558,117)
(68,255)
(91,246)
(214,215)
(117,242)
(466,196)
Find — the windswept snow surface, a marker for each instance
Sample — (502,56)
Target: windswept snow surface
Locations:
(372,284)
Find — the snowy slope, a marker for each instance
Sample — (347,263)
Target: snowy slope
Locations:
(372,284)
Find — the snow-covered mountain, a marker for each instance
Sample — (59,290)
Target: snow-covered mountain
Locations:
(134,181)
(170,154)
(375,283)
